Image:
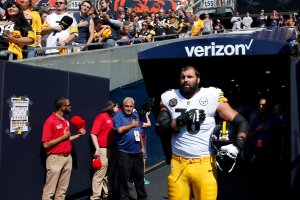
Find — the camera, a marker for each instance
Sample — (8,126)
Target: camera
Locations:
(147,106)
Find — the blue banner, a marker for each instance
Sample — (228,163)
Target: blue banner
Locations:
(242,43)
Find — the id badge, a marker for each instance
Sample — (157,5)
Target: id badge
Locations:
(137,136)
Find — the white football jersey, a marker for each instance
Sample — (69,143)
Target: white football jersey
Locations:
(193,145)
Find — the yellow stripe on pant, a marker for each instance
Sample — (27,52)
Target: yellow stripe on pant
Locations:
(197,176)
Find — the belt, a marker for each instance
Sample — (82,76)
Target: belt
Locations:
(61,154)
(192,160)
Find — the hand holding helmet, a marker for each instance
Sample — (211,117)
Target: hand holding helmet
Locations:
(230,150)
(227,145)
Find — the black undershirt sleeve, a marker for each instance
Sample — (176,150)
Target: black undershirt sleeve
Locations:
(163,122)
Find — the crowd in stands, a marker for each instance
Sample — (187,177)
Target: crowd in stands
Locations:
(91,28)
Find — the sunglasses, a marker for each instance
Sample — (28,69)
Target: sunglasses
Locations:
(59,2)
(144,25)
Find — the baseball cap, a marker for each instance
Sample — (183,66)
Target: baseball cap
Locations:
(77,122)
(96,163)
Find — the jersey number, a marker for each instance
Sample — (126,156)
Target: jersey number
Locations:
(193,128)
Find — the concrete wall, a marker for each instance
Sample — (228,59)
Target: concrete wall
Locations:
(22,158)
(119,64)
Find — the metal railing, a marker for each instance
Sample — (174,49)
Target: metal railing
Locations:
(75,48)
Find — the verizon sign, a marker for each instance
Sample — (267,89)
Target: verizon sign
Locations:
(218,50)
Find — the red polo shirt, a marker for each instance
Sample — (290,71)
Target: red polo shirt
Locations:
(54,128)
(103,127)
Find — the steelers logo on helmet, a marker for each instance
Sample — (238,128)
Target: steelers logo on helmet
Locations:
(173,102)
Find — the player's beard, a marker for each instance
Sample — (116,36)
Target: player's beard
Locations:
(66,111)
(188,92)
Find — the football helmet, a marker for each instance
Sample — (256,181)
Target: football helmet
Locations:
(224,134)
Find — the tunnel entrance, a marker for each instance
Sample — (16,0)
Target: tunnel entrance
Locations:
(250,66)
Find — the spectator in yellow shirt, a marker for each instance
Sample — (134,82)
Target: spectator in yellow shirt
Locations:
(34,19)
(197,26)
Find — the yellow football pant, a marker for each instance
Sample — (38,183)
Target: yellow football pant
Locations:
(197,176)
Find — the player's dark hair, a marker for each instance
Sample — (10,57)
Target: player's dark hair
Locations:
(109,107)
(189,67)
(86,1)
(59,102)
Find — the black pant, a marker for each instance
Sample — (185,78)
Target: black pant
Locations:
(131,166)
(112,176)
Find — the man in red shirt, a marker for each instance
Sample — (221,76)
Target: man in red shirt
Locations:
(56,140)
(102,135)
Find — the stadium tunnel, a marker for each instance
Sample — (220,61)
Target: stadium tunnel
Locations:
(245,65)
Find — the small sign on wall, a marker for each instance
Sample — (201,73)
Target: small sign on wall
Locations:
(18,116)
(19,112)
